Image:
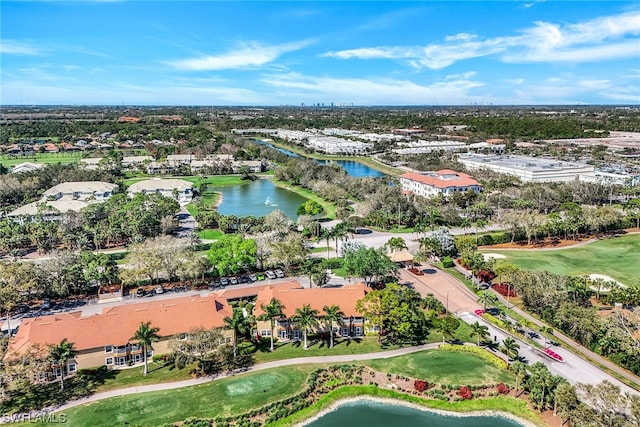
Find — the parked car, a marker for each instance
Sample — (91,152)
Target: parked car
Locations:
(233,280)
(140,292)
(244,279)
(270,274)
(214,284)
(260,276)
(159,289)
(46,304)
(279,273)
(252,277)
(224,281)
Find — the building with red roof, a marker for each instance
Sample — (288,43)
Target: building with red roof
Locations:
(445,182)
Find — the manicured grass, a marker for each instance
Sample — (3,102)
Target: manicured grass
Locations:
(212,181)
(321,249)
(290,350)
(134,377)
(210,234)
(46,158)
(225,397)
(517,407)
(443,367)
(329,208)
(616,257)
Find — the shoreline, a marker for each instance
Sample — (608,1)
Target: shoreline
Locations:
(399,402)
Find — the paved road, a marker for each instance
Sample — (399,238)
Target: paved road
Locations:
(462,302)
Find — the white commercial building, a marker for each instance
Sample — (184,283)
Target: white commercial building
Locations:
(528,169)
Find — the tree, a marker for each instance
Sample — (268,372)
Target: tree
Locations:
(146,335)
(60,354)
(510,347)
(519,370)
(17,282)
(539,383)
(204,346)
(290,251)
(369,263)
(305,318)
(480,224)
(310,207)
(396,244)
(481,331)
(272,312)
(447,325)
(397,311)
(487,298)
(231,254)
(238,324)
(333,314)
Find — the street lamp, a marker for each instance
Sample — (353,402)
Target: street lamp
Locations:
(447,306)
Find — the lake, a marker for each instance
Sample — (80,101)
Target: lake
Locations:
(367,413)
(258,198)
(355,169)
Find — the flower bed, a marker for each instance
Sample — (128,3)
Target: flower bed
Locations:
(552,354)
(504,289)
(479,312)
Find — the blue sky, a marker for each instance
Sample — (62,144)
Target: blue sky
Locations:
(289,53)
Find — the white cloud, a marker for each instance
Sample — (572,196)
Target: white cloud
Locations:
(247,55)
(603,38)
(373,91)
(14,47)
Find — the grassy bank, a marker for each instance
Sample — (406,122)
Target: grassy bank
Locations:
(329,208)
(44,158)
(509,405)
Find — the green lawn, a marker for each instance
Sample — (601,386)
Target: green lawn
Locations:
(45,158)
(244,392)
(210,234)
(443,367)
(211,181)
(225,397)
(616,257)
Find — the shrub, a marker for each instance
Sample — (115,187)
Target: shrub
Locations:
(447,262)
(492,319)
(465,393)
(485,275)
(484,354)
(504,289)
(503,388)
(420,385)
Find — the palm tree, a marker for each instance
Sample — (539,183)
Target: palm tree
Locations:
(481,331)
(326,234)
(396,244)
(60,354)
(272,312)
(333,314)
(146,335)
(510,348)
(238,324)
(487,298)
(305,317)
(519,370)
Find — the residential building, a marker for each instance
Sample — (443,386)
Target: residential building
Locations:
(105,338)
(26,167)
(528,169)
(179,189)
(443,182)
(65,197)
(81,190)
(293,297)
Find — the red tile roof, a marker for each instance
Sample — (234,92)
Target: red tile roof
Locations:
(444,178)
(345,297)
(116,325)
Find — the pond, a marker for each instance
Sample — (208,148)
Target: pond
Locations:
(258,198)
(369,413)
(355,169)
